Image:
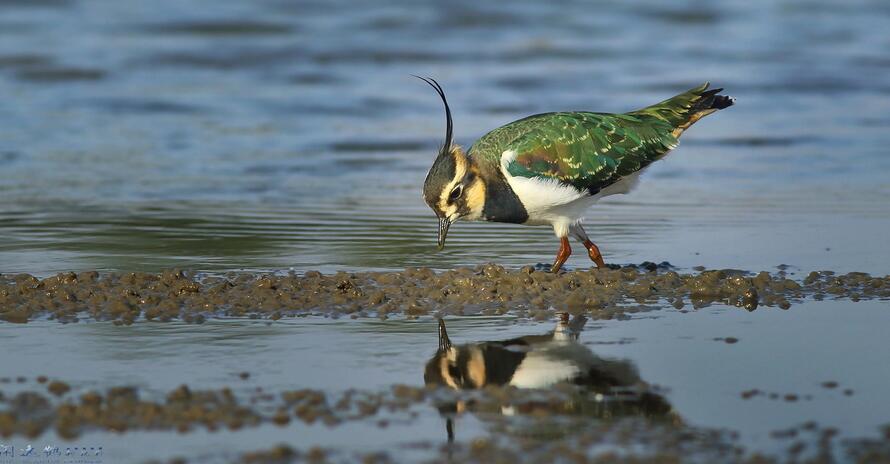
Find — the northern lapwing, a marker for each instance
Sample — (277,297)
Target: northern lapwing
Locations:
(549,168)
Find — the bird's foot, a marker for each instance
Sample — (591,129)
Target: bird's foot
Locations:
(564,252)
(594,252)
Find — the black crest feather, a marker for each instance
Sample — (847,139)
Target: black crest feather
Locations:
(449,125)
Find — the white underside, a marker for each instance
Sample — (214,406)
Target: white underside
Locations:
(538,370)
(552,362)
(548,201)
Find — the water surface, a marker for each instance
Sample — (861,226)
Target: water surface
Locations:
(684,354)
(271,135)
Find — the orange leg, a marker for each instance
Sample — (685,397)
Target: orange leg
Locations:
(594,253)
(564,252)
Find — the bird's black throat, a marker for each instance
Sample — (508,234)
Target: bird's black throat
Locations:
(501,203)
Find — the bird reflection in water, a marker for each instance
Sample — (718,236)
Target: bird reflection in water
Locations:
(606,388)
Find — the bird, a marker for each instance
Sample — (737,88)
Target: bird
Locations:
(532,361)
(608,387)
(549,168)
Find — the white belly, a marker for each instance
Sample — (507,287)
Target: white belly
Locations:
(550,202)
(541,371)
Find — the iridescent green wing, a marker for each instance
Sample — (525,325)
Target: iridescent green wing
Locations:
(593,150)
(586,150)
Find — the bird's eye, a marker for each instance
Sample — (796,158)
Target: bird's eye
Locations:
(455,194)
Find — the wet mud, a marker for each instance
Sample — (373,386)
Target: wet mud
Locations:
(564,424)
(31,413)
(806,442)
(489,289)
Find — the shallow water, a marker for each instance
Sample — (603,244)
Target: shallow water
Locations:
(271,136)
(263,136)
(684,354)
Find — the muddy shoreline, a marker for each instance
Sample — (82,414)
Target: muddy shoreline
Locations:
(490,289)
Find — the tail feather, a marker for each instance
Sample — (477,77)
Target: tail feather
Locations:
(722,101)
(709,100)
(688,107)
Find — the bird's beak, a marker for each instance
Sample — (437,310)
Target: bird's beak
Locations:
(444,341)
(444,224)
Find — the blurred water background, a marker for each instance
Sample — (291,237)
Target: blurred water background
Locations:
(272,134)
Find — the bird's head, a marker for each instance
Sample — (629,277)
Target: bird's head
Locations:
(453,188)
(457,367)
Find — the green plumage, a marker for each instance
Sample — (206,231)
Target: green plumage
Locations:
(593,150)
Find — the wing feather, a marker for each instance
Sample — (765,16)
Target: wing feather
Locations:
(588,151)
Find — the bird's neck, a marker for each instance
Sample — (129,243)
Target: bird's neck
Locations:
(501,204)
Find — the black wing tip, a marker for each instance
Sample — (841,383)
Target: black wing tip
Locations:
(713,101)
(722,101)
(710,100)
